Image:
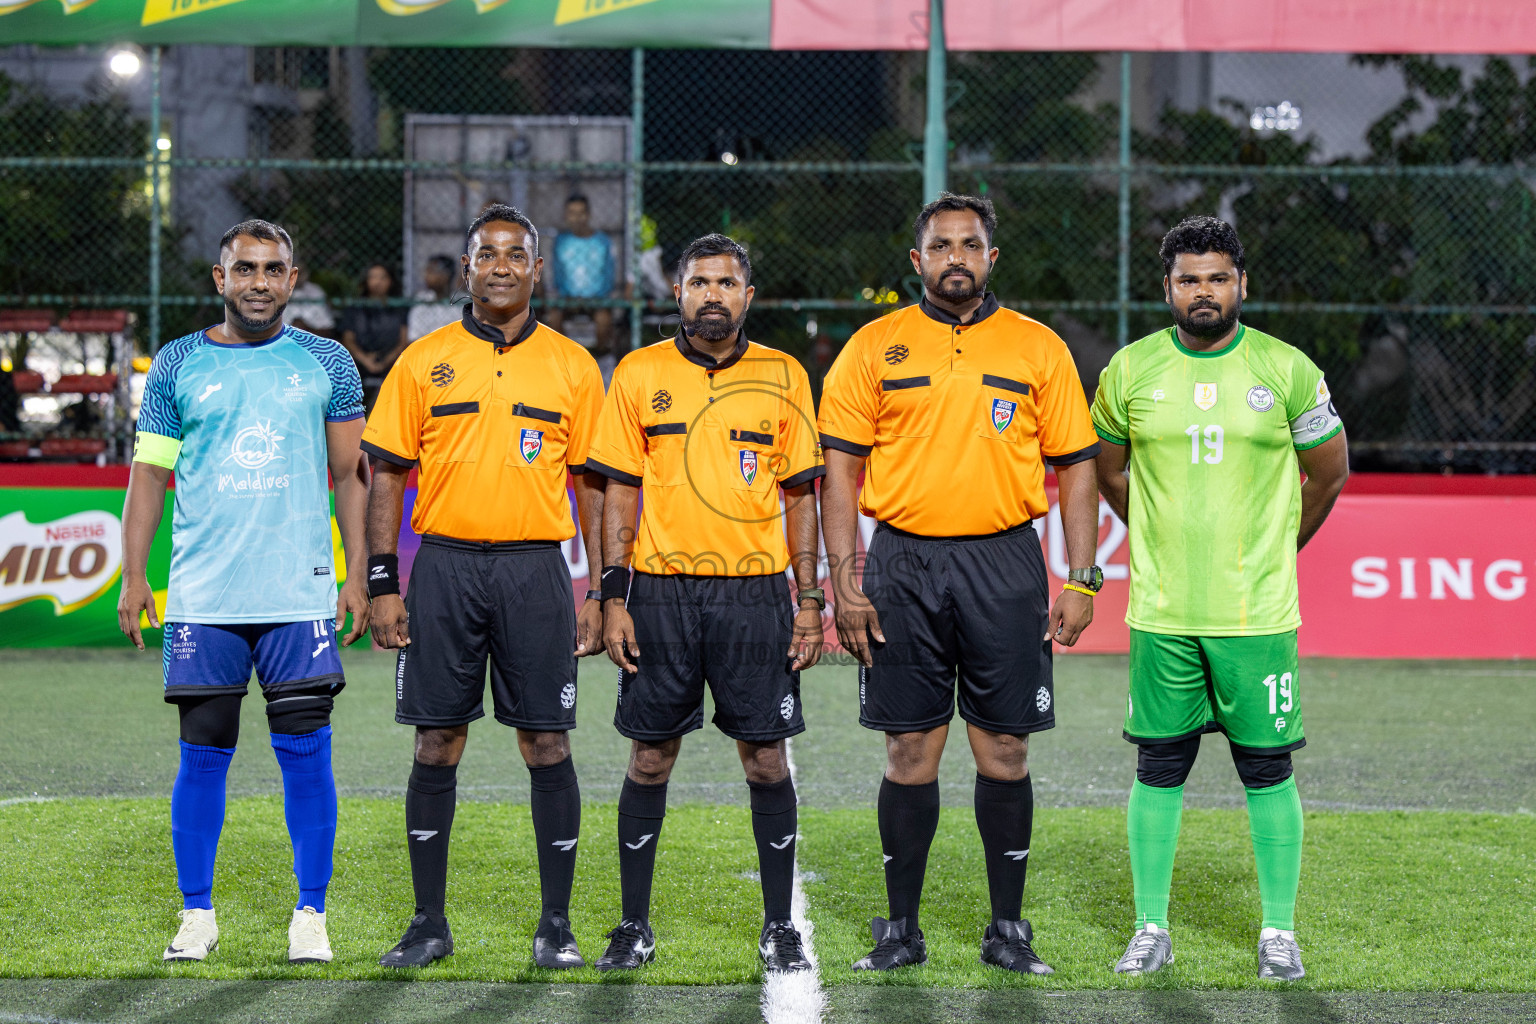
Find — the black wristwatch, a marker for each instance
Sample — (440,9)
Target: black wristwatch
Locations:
(1091,578)
(816,594)
(594,595)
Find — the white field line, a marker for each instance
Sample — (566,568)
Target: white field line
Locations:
(796,998)
(13,801)
(32,1018)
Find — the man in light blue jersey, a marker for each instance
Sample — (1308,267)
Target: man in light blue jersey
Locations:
(251,414)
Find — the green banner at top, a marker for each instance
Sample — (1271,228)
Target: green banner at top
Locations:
(558,23)
(734,24)
(241,22)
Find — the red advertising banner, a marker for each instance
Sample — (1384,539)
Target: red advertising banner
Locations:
(1405,567)
(1398,576)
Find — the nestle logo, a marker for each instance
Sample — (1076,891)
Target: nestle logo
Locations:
(442,375)
(81,531)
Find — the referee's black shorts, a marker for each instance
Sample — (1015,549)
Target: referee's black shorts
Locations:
(732,632)
(509,603)
(967,608)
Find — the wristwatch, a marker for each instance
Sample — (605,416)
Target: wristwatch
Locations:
(816,594)
(594,595)
(1091,578)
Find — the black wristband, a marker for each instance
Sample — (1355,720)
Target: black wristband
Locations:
(615,582)
(383,575)
(594,595)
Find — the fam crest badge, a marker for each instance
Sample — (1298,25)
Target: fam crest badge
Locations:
(1002,413)
(533,443)
(1205,395)
(749,466)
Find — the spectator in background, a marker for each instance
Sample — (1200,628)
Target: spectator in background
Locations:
(584,268)
(374,332)
(309,308)
(434,307)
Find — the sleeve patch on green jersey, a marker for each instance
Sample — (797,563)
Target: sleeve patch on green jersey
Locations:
(1318,423)
(156,449)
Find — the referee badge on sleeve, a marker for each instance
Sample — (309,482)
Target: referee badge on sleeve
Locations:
(1002,413)
(748,466)
(533,443)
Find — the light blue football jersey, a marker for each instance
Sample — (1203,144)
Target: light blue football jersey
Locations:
(251,533)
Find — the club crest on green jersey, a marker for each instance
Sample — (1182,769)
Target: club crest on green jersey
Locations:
(1260,398)
(748,466)
(1205,396)
(532,444)
(1002,413)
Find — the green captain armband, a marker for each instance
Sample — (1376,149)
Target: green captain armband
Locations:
(156,449)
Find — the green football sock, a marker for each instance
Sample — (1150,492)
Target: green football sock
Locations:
(1274,820)
(1152,826)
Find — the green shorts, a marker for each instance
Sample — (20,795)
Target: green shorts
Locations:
(1245,686)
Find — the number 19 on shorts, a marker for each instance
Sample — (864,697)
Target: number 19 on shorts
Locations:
(1280,697)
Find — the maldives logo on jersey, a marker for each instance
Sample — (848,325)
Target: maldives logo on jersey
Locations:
(1002,413)
(255,446)
(748,466)
(1205,396)
(533,443)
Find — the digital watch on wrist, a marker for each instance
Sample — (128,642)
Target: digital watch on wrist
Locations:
(1091,578)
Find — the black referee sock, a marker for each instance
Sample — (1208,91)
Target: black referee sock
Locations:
(774,822)
(429,802)
(1005,817)
(909,817)
(641,810)
(556,805)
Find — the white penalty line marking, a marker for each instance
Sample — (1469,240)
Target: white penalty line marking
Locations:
(795,998)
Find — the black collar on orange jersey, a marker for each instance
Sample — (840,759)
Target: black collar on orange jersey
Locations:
(486,332)
(987,308)
(693,355)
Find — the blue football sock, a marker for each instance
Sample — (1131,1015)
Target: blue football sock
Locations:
(197,818)
(309,805)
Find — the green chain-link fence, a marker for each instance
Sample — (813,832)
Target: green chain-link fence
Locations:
(1387,224)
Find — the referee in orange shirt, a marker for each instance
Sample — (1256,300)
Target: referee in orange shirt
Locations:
(494,409)
(714,428)
(952,408)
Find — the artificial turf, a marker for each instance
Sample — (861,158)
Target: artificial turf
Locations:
(88,892)
(1419,781)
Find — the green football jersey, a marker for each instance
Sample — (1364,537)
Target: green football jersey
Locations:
(1215,488)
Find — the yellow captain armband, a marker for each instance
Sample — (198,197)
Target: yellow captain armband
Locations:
(156,449)
(1080,590)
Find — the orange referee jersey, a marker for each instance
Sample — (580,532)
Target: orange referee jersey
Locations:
(493,427)
(711,444)
(956,420)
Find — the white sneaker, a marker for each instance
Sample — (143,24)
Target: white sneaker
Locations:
(307,941)
(198,936)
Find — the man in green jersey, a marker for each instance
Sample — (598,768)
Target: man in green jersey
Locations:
(1214,419)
